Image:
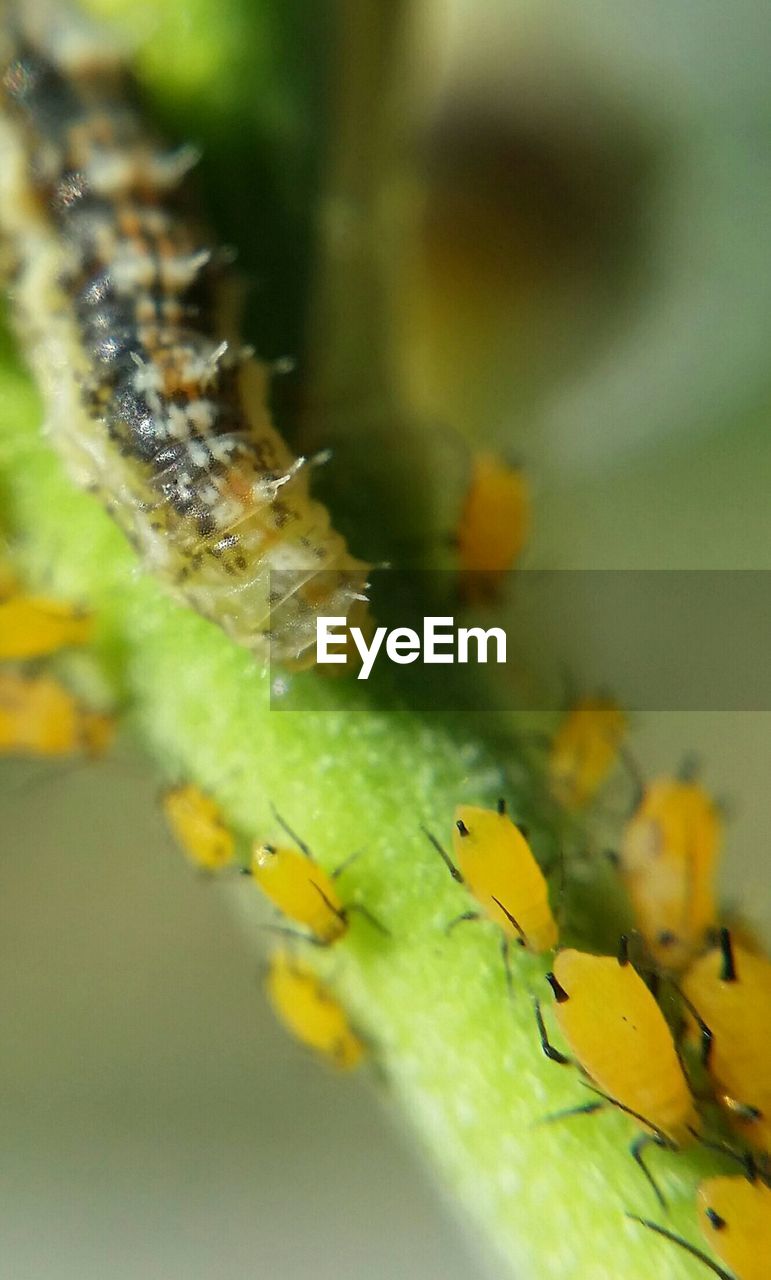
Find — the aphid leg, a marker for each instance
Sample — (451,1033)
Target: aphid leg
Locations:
(684,1244)
(446,859)
(361,910)
(585,1109)
(548,1048)
(345,864)
(510,919)
(705,1035)
(461,919)
(336,911)
(636,1149)
(301,845)
(296,934)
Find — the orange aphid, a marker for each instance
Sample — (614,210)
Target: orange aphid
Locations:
(730,988)
(735,1220)
(32,627)
(309,1010)
(494,523)
(584,750)
(620,1039)
(40,716)
(198,826)
(667,859)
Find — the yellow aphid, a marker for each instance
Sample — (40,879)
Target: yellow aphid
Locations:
(735,1217)
(311,1012)
(620,1039)
(303,891)
(199,827)
(668,856)
(494,523)
(584,750)
(735,1220)
(39,716)
(730,988)
(495,862)
(32,627)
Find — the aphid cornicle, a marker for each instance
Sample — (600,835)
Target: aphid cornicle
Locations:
(199,827)
(667,861)
(34,627)
(303,891)
(735,1220)
(309,1010)
(584,750)
(620,1039)
(495,862)
(493,525)
(117,301)
(730,988)
(39,716)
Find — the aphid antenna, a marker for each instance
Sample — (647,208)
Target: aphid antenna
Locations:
(553,1054)
(301,844)
(443,854)
(585,1109)
(684,1244)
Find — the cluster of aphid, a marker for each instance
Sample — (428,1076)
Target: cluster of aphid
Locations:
(667,859)
(604,1006)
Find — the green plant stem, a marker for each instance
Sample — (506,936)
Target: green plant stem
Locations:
(462,1060)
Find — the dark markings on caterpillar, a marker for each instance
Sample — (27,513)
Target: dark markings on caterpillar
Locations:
(153,405)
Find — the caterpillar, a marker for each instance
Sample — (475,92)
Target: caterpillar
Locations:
(152,403)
